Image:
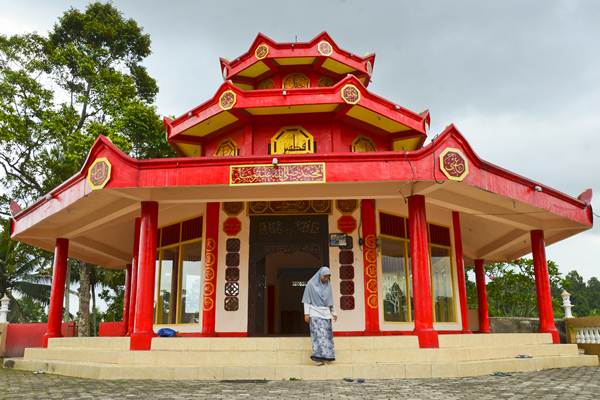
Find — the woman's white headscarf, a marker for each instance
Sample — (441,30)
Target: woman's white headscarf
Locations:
(318,293)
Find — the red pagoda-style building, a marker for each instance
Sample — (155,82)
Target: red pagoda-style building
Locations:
(293,164)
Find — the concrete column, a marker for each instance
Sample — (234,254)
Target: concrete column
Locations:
(421,278)
(143,332)
(542,285)
(126,296)
(134,271)
(369,247)
(460,271)
(211,253)
(57,292)
(484,319)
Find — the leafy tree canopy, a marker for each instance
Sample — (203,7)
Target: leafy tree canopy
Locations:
(58,93)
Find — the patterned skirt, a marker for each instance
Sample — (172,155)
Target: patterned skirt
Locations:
(321,336)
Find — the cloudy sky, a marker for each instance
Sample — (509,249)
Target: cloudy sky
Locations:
(520,79)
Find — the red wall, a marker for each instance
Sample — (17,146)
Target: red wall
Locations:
(21,336)
(321,125)
(111,328)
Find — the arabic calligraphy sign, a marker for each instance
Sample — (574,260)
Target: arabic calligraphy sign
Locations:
(454,164)
(99,173)
(274,174)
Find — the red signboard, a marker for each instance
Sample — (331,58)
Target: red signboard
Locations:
(346,224)
(232,226)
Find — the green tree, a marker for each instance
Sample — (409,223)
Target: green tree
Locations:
(511,289)
(58,93)
(23,278)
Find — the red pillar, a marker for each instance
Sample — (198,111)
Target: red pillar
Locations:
(421,279)
(134,272)
(126,296)
(211,252)
(141,338)
(369,234)
(57,292)
(542,285)
(460,271)
(484,319)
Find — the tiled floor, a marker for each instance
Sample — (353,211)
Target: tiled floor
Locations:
(576,383)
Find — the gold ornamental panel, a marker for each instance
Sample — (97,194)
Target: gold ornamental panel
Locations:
(363,144)
(372,301)
(296,80)
(261,51)
(289,207)
(233,208)
(346,206)
(325,48)
(350,94)
(227,148)
(211,244)
(99,173)
(266,84)
(292,140)
(454,164)
(209,304)
(325,81)
(227,100)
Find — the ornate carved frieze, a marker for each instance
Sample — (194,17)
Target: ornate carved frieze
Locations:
(277,174)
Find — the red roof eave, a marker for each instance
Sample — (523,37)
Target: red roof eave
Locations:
(291,50)
(246,99)
(387,165)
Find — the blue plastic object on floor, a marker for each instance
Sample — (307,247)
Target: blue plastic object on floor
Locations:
(166,332)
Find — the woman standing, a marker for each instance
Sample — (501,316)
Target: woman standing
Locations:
(318,312)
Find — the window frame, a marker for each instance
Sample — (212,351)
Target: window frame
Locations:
(179,245)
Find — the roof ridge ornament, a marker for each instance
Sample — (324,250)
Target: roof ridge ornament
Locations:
(262,50)
(325,48)
(350,94)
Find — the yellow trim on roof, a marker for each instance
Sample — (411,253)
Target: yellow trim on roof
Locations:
(211,124)
(190,150)
(306,108)
(295,60)
(256,69)
(362,114)
(405,144)
(337,67)
(244,86)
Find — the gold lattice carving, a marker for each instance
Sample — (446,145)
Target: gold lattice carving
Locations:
(227,148)
(325,81)
(325,48)
(227,99)
(266,84)
(350,94)
(296,80)
(363,145)
(261,51)
(292,140)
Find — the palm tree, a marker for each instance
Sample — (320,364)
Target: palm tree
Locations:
(24,276)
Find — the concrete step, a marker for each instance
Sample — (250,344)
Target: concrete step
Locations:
(302,343)
(115,343)
(494,339)
(293,357)
(306,372)
(282,343)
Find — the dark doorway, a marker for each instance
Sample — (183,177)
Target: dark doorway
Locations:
(285,251)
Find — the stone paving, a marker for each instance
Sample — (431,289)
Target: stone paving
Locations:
(576,383)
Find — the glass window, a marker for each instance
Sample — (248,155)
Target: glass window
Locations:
(168,286)
(191,283)
(395,280)
(178,286)
(441,271)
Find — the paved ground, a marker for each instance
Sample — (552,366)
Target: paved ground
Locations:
(575,383)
